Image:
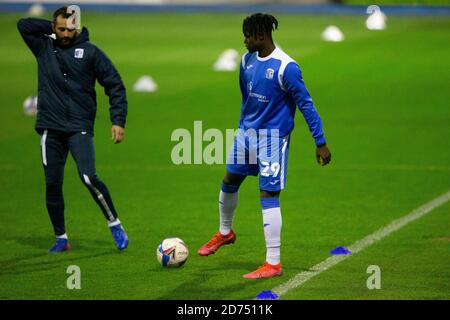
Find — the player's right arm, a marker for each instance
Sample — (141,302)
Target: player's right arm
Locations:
(242,84)
(34,32)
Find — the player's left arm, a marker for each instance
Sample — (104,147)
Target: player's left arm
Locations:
(108,76)
(294,84)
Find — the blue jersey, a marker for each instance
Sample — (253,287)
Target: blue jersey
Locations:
(271,89)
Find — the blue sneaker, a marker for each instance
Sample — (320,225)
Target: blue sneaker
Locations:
(60,245)
(120,236)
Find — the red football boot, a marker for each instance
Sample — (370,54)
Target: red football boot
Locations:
(267,270)
(216,242)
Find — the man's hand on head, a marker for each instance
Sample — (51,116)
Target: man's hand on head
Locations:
(117,133)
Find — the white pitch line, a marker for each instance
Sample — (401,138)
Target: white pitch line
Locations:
(359,245)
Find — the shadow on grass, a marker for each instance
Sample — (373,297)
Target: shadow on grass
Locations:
(195,289)
(199,287)
(30,261)
(44,243)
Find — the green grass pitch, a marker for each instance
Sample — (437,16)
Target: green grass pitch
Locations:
(384,100)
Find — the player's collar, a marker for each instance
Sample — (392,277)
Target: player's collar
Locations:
(268,57)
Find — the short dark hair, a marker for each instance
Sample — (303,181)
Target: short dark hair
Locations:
(259,23)
(60,12)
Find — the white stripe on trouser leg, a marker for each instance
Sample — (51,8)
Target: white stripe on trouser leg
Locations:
(272,234)
(114,223)
(99,196)
(283,158)
(43,149)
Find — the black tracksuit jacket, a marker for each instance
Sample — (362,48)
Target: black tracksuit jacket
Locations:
(66,80)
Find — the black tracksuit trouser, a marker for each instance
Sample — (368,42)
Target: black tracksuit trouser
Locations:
(55,146)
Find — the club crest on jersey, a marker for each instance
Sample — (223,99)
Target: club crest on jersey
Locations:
(79,53)
(269,73)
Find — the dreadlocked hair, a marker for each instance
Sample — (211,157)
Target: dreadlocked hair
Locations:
(259,23)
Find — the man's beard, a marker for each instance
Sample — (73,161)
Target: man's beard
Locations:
(65,41)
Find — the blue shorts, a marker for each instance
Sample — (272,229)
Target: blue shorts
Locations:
(254,154)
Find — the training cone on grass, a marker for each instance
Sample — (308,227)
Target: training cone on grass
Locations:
(267,295)
(377,19)
(332,34)
(36,10)
(227,61)
(340,250)
(145,84)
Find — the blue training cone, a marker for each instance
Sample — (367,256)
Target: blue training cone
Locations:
(267,295)
(340,250)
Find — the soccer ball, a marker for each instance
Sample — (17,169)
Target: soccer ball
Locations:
(30,106)
(172,252)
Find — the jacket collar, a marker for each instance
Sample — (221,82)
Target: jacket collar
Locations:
(81,37)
